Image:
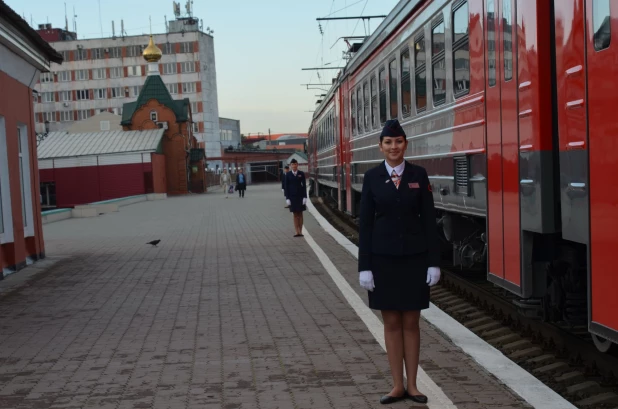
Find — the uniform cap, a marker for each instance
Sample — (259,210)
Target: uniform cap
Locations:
(393,129)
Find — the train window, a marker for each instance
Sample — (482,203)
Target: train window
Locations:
(392,66)
(382,85)
(491,42)
(461,50)
(601,24)
(353,111)
(438,63)
(366,111)
(420,78)
(507,18)
(359,109)
(374,103)
(406,92)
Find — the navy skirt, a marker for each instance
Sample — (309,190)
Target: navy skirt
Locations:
(296,205)
(400,282)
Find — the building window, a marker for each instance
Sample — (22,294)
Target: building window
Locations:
(66,55)
(136,90)
(169,68)
(195,107)
(196,127)
(82,94)
(601,23)
(491,42)
(154,116)
(46,77)
(392,67)
(66,116)
(135,50)
(99,74)
(507,18)
(81,75)
(65,96)
(188,88)
(406,84)
(49,116)
(438,63)
(115,52)
(98,53)
(24,174)
(173,88)
(420,75)
(187,66)
(81,54)
(64,76)
(167,48)
(83,114)
(461,51)
(186,47)
(116,92)
(353,114)
(116,72)
(135,71)
(47,97)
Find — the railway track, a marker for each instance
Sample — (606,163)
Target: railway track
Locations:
(561,356)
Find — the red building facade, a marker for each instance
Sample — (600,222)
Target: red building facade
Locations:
(24,56)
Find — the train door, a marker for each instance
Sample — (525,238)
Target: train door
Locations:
(602,90)
(503,217)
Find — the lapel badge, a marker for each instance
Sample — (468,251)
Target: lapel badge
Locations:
(387,180)
(413,185)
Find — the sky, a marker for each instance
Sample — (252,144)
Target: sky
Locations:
(260,46)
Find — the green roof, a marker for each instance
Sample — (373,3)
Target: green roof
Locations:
(154,88)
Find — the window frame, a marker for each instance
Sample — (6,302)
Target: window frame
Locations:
(359,109)
(366,107)
(373,89)
(353,113)
(100,93)
(382,97)
(393,84)
(595,32)
(458,45)
(437,58)
(401,82)
(505,42)
(420,67)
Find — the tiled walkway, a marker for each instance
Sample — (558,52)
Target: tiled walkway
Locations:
(229,311)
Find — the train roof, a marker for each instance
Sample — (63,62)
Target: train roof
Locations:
(393,20)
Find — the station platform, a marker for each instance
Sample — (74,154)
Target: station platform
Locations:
(228,311)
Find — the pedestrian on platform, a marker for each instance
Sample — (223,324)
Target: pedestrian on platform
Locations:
(225,182)
(241,183)
(286,169)
(295,190)
(399,254)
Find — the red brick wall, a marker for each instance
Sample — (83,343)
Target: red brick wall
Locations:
(19,109)
(158,173)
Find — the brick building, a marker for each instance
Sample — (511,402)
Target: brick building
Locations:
(103,74)
(155,108)
(23,56)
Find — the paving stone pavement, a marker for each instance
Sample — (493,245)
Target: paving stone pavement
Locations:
(229,311)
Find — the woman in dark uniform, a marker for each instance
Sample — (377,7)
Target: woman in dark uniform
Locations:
(398,255)
(296,194)
(241,183)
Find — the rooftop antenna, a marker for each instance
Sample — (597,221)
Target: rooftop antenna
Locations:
(150,20)
(166,29)
(122,28)
(74,21)
(113,30)
(66,18)
(176,9)
(100,19)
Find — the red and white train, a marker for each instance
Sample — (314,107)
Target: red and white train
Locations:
(510,105)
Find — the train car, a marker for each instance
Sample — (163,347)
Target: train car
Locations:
(504,103)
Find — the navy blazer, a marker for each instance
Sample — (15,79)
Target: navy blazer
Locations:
(283,180)
(295,186)
(397,222)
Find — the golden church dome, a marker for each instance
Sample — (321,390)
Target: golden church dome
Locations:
(152,53)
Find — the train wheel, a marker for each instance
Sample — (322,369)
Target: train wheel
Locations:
(602,344)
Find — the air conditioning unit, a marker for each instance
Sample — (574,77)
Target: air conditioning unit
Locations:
(66,104)
(107,50)
(162,125)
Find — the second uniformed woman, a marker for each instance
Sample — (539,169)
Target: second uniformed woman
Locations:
(398,255)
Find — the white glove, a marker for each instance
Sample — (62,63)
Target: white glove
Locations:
(304,200)
(283,190)
(366,280)
(287,202)
(433,276)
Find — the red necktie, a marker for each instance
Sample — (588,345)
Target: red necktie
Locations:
(395,178)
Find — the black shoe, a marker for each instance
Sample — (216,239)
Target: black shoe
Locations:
(388,399)
(417,398)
